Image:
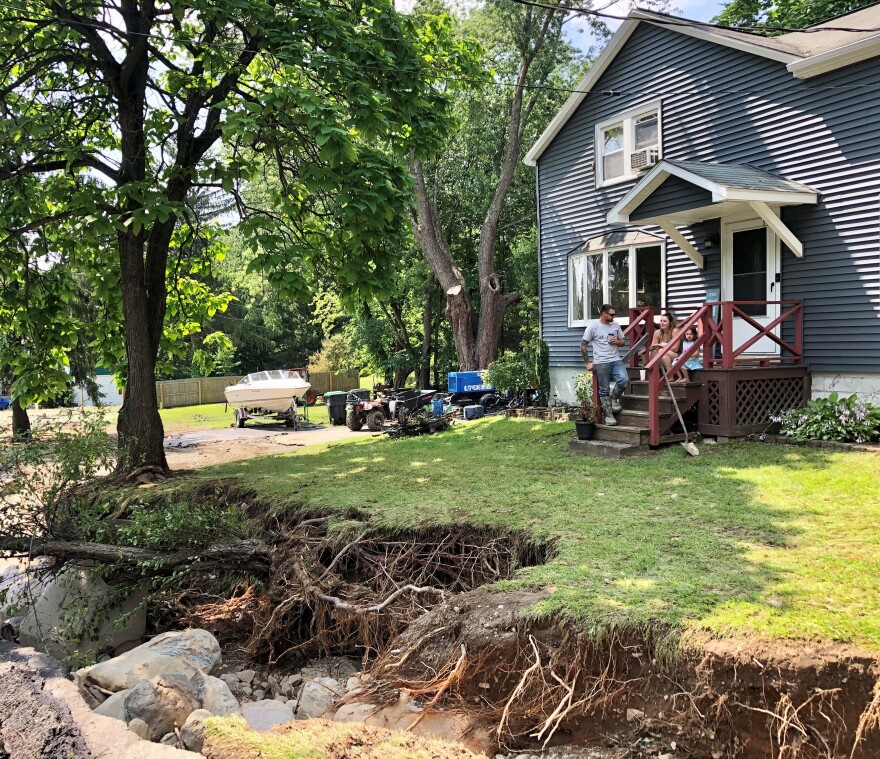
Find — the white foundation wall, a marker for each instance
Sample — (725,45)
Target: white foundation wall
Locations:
(866,386)
(562,384)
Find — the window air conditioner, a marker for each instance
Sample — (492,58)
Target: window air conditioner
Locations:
(644,159)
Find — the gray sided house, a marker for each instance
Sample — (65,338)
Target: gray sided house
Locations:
(695,164)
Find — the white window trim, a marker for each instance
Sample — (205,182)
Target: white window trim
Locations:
(621,318)
(627,118)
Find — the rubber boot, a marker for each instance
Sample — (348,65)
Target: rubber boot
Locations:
(608,411)
(616,392)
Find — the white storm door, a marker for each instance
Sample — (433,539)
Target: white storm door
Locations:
(750,272)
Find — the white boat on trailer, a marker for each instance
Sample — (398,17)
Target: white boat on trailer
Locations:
(272,393)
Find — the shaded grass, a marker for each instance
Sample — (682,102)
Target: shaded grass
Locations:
(767,541)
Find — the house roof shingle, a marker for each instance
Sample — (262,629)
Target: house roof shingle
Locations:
(740,176)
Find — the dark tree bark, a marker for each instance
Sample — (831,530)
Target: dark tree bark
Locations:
(21,423)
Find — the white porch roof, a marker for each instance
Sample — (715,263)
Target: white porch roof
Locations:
(733,189)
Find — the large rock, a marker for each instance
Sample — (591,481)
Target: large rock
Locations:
(214,695)
(140,728)
(186,652)
(163,703)
(261,715)
(192,734)
(318,697)
(114,706)
(75,594)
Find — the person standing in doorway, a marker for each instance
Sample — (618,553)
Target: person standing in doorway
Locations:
(606,337)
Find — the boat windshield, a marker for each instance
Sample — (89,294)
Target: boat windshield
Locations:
(245,380)
(290,375)
(275,375)
(258,376)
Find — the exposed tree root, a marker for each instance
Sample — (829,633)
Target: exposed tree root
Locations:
(870,719)
(357,597)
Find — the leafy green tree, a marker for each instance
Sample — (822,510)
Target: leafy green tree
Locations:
(788,14)
(476,198)
(266,329)
(121,109)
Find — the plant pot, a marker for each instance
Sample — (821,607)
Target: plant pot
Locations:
(584,430)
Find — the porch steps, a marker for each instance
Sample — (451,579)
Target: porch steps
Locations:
(631,434)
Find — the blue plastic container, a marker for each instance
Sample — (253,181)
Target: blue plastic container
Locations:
(468,382)
(437,407)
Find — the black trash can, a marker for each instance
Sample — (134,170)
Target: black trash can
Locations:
(361,392)
(336,406)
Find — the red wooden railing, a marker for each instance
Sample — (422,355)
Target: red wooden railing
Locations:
(712,333)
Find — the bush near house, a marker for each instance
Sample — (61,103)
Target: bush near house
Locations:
(846,420)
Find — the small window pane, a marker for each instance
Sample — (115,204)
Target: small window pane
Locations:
(576,296)
(612,165)
(613,139)
(648,276)
(618,279)
(595,285)
(646,130)
(612,152)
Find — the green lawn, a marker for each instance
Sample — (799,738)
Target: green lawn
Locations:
(208,417)
(748,539)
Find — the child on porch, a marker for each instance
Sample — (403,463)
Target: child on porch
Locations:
(694,362)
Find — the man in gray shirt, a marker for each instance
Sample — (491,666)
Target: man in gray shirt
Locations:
(606,337)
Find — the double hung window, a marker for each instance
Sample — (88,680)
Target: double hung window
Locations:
(625,277)
(618,140)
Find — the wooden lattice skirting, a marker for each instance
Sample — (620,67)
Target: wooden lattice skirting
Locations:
(738,402)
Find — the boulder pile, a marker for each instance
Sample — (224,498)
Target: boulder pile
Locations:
(165,689)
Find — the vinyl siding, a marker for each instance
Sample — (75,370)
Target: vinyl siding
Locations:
(723,105)
(675,194)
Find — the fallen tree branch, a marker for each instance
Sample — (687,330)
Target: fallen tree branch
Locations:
(251,555)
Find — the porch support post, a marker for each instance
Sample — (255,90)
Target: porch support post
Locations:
(772,220)
(679,239)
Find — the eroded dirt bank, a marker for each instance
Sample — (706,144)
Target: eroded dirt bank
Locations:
(536,683)
(413,606)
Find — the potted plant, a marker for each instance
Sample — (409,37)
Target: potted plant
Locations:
(583,393)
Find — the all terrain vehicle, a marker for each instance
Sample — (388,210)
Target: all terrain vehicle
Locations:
(360,411)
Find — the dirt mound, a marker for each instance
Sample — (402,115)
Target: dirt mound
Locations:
(230,738)
(33,724)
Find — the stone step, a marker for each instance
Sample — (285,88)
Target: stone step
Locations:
(605,448)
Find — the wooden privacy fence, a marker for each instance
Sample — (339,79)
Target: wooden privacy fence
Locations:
(324,382)
(194,392)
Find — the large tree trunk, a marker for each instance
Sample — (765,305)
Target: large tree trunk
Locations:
(478,347)
(21,423)
(143,292)
(432,242)
(139,425)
